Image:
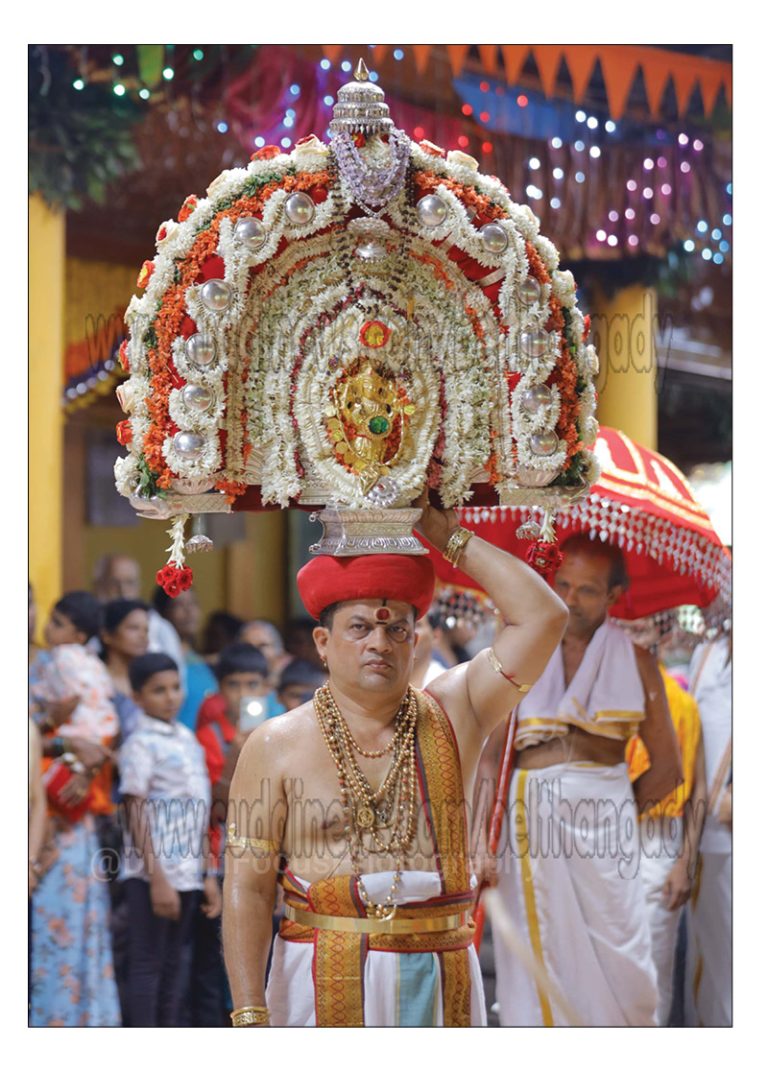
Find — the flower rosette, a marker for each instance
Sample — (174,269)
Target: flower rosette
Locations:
(174,579)
(544,557)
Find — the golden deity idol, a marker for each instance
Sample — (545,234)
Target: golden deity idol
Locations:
(367,423)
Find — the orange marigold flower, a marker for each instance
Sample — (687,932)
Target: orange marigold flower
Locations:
(145,274)
(122,356)
(267,153)
(124,432)
(231,490)
(187,208)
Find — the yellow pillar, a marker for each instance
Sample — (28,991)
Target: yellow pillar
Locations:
(256,568)
(624,331)
(46,343)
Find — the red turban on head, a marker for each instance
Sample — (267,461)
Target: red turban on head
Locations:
(395,576)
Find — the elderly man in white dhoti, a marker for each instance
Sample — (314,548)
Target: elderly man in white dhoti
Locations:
(569,855)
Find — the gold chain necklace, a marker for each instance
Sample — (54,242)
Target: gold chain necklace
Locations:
(369,813)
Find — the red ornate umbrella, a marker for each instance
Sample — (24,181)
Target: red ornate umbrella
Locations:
(641,503)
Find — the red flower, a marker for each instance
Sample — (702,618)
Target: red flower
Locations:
(174,579)
(213,267)
(187,208)
(162,233)
(147,270)
(124,432)
(122,356)
(432,149)
(544,557)
(267,153)
(587,327)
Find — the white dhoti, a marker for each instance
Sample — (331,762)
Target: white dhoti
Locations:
(661,840)
(401,989)
(709,957)
(569,878)
(709,962)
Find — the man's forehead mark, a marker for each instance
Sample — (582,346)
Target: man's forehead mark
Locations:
(391,617)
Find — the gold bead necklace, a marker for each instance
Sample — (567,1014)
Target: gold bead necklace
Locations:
(368,812)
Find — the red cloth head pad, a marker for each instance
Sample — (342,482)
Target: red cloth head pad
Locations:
(397,577)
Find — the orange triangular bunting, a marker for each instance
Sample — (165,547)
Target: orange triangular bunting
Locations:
(655,76)
(618,75)
(581,63)
(684,77)
(709,84)
(488,58)
(514,58)
(456,54)
(421,54)
(548,61)
(332,52)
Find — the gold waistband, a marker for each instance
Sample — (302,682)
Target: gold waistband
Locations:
(395,926)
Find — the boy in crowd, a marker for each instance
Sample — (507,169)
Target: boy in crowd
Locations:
(242,672)
(167,797)
(298,682)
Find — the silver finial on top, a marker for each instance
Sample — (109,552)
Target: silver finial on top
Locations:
(360,107)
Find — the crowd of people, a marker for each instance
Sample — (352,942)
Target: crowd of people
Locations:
(139,713)
(135,729)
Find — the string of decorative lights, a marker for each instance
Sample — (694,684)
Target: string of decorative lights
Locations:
(584,139)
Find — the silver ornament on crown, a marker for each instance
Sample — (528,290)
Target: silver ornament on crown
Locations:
(360,107)
(373,180)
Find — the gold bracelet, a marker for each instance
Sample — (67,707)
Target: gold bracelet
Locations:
(263,846)
(249,1015)
(455,545)
(496,666)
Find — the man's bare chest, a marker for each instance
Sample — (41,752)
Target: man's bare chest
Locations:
(321,820)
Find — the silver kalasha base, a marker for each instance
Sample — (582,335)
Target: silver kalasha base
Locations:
(357,532)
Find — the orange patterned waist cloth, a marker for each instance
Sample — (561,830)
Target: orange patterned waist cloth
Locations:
(334,905)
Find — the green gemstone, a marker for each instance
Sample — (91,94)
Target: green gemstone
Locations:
(378,425)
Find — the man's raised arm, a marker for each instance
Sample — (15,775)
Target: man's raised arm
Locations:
(534,619)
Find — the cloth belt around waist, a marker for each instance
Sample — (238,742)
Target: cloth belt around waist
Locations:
(332,916)
(415,929)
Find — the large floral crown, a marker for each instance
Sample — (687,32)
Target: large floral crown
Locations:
(347,323)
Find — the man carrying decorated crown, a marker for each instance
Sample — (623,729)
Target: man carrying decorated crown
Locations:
(362,793)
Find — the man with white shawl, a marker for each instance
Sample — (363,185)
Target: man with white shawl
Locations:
(569,855)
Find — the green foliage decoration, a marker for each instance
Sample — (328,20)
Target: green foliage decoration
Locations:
(76,152)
